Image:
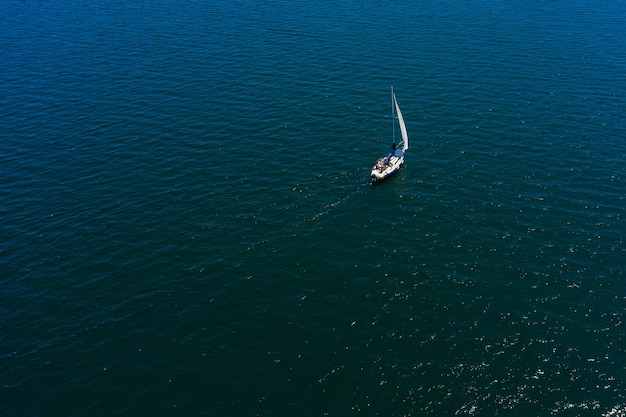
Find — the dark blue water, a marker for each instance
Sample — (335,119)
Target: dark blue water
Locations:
(187,225)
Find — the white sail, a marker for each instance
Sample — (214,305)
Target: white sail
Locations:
(405,135)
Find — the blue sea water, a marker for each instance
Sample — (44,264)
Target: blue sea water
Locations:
(187,225)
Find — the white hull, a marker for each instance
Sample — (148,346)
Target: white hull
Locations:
(385,167)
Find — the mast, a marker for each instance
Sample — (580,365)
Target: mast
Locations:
(393,124)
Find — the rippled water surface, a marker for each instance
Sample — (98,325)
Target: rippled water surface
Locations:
(187,225)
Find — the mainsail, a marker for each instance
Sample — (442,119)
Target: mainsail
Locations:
(405,135)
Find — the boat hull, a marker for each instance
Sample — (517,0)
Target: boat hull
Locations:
(386,167)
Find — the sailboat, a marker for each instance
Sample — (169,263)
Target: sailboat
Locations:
(390,164)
